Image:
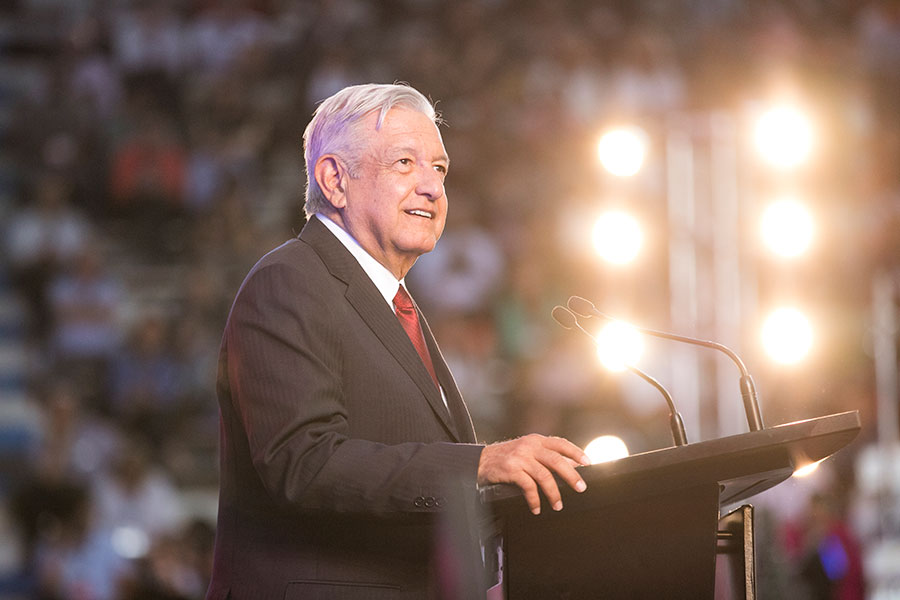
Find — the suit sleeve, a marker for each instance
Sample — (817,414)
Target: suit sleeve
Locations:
(283,369)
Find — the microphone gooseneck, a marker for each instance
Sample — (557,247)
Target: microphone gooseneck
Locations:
(586,308)
(567,319)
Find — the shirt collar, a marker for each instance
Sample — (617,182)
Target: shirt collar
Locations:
(383,279)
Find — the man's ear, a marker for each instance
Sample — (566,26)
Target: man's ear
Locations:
(330,172)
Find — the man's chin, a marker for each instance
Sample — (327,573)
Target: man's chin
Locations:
(422,247)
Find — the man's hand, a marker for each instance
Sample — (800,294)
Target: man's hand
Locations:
(529,462)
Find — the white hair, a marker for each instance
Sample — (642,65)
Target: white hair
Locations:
(334,128)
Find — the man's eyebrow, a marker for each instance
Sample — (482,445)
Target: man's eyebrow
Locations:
(398,150)
(441,158)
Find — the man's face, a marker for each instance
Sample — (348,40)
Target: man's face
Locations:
(395,206)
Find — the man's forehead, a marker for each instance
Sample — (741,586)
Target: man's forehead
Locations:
(402,128)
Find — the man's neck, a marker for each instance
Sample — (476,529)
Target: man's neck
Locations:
(398,270)
(381,276)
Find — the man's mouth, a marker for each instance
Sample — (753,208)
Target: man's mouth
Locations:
(420,213)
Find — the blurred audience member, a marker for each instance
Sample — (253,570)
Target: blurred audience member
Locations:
(74,559)
(137,497)
(77,443)
(222,33)
(94,79)
(205,174)
(172,570)
(829,561)
(42,238)
(84,302)
(149,48)
(148,168)
(144,378)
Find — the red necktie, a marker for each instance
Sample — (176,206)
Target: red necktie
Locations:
(409,319)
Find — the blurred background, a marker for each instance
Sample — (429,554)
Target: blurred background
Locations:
(725,169)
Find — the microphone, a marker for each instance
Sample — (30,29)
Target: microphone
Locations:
(568,320)
(585,308)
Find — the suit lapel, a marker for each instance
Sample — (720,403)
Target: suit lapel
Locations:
(458,410)
(367,301)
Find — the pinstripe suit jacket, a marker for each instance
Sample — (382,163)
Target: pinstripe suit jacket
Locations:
(335,444)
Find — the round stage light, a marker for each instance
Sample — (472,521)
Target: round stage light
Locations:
(784,137)
(787,227)
(617,237)
(622,151)
(787,335)
(619,345)
(606,448)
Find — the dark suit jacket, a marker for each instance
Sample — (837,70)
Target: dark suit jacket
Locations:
(336,448)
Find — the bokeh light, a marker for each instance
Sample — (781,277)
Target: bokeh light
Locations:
(619,345)
(129,541)
(784,137)
(787,227)
(606,448)
(787,335)
(617,237)
(622,151)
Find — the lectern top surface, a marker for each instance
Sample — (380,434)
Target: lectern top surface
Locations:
(743,465)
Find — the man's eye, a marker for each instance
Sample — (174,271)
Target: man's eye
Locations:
(440,169)
(405,161)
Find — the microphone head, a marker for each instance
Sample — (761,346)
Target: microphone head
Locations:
(564,317)
(580,306)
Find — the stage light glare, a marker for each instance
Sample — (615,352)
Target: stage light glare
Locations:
(606,448)
(787,228)
(617,237)
(619,345)
(622,151)
(807,470)
(787,335)
(784,137)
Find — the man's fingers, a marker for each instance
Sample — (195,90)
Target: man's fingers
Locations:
(547,483)
(568,449)
(530,491)
(562,466)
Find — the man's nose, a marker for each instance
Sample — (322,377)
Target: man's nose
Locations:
(431,183)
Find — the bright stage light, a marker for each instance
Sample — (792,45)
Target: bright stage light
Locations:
(617,237)
(787,335)
(606,448)
(787,228)
(622,151)
(619,345)
(784,137)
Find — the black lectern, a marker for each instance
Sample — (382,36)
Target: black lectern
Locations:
(648,524)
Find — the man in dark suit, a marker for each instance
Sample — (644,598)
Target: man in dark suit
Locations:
(341,425)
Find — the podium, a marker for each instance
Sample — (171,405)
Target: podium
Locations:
(648,525)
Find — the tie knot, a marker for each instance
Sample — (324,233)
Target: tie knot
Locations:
(402,301)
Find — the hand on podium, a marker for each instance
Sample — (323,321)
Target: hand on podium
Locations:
(530,462)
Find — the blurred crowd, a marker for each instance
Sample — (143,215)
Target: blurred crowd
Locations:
(151,152)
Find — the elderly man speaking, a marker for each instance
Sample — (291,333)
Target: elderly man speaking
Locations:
(340,421)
